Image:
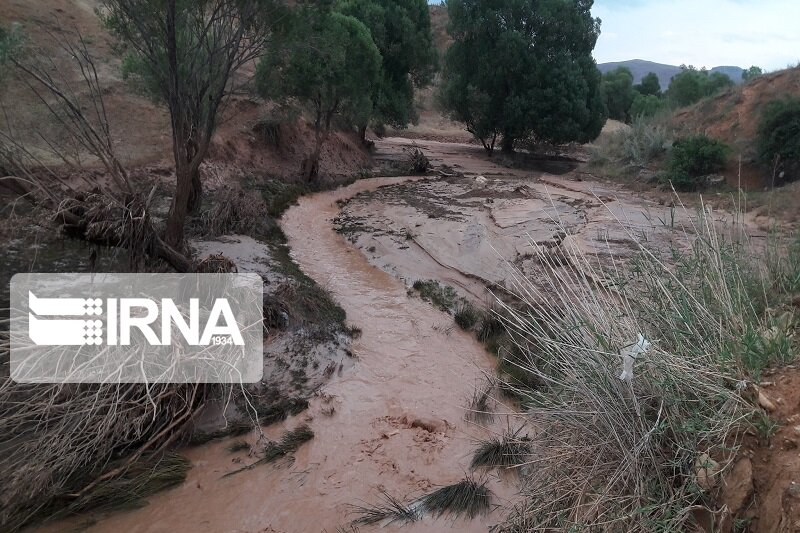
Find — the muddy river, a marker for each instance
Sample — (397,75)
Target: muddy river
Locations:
(395,422)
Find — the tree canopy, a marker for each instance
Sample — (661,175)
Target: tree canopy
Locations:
(328,63)
(650,85)
(402,33)
(752,73)
(618,93)
(185,54)
(691,85)
(523,68)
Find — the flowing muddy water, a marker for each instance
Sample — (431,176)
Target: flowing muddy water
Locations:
(394,422)
(398,422)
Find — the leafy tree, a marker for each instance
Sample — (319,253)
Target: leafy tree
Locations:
(716,82)
(523,68)
(650,86)
(694,158)
(402,33)
(752,73)
(328,63)
(185,54)
(779,137)
(646,106)
(687,87)
(618,93)
(692,85)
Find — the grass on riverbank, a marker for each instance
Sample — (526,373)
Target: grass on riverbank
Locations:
(612,454)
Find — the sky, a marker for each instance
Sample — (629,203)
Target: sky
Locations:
(700,32)
(705,33)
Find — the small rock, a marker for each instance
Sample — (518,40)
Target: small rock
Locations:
(707,472)
(738,486)
(430,425)
(765,402)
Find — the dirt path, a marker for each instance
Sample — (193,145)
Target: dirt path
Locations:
(398,423)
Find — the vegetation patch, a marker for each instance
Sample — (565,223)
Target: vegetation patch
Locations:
(644,415)
(441,296)
(468,498)
(289,443)
(693,159)
(390,511)
(507,451)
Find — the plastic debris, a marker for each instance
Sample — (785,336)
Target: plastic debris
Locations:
(630,354)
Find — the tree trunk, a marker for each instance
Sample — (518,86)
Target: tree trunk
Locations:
(310,168)
(176,220)
(507,144)
(362,133)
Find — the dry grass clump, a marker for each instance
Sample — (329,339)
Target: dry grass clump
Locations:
(64,446)
(390,511)
(507,451)
(289,443)
(468,498)
(233,210)
(617,455)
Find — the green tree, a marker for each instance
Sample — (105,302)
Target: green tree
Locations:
(650,86)
(779,138)
(328,63)
(646,106)
(523,68)
(693,159)
(716,82)
(402,33)
(185,54)
(687,87)
(692,85)
(752,73)
(618,93)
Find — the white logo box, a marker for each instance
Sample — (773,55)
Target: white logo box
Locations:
(137,328)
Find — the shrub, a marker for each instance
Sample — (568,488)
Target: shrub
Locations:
(466,316)
(694,158)
(779,136)
(646,106)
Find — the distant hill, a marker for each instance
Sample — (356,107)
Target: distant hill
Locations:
(640,68)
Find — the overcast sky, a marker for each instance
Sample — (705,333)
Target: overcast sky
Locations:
(706,33)
(700,32)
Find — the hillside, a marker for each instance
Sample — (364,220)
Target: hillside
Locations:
(733,115)
(139,127)
(640,68)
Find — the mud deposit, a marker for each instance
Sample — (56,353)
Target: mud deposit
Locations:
(468,231)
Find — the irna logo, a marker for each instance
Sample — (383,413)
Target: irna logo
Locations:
(115,321)
(137,328)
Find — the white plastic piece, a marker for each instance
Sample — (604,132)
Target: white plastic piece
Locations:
(630,354)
